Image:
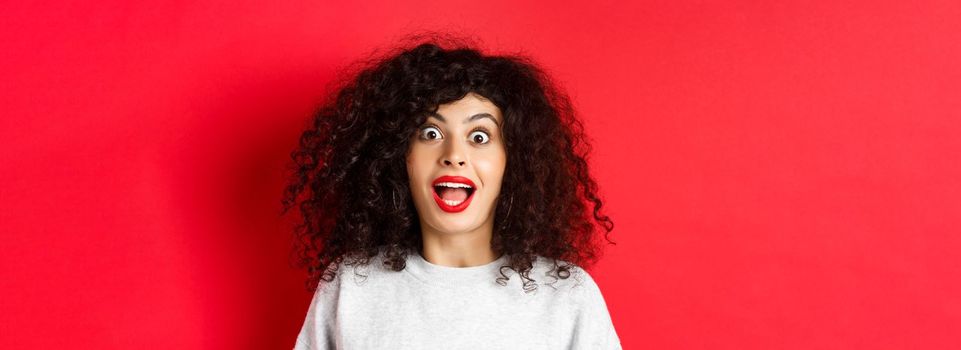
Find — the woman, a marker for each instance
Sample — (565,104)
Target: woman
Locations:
(447,204)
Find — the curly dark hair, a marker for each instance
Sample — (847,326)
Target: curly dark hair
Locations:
(351,183)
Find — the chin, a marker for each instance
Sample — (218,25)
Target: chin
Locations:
(454,226)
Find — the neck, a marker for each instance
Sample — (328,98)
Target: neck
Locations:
(462,249)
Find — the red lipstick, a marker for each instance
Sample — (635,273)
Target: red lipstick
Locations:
(453,181)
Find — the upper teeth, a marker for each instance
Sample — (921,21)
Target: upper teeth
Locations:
(453,184)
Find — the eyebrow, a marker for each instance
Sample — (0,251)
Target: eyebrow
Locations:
(472,118)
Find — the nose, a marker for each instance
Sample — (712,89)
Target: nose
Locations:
(454,155)
(459,163)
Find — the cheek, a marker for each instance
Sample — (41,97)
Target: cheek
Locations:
(417,165)
(412,172)
(492,168)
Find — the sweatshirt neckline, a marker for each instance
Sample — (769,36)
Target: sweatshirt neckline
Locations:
(431,273)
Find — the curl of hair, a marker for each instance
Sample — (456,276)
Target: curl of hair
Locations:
(350,181)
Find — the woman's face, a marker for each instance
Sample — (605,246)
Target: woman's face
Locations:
(455,165)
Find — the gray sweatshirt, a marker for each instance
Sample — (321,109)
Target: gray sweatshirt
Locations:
(428,306)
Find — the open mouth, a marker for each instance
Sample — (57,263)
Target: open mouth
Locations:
(453,194)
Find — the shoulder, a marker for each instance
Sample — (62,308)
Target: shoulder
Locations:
(594,328)
(349,270)
(562,275)
(360,270)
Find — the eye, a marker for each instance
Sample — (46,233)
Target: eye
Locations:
(430,133)
(480,137)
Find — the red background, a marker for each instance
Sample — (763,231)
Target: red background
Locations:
(780,175)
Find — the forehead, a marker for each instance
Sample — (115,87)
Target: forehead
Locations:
(470,108)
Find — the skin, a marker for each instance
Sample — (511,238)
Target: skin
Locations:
(450,147)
